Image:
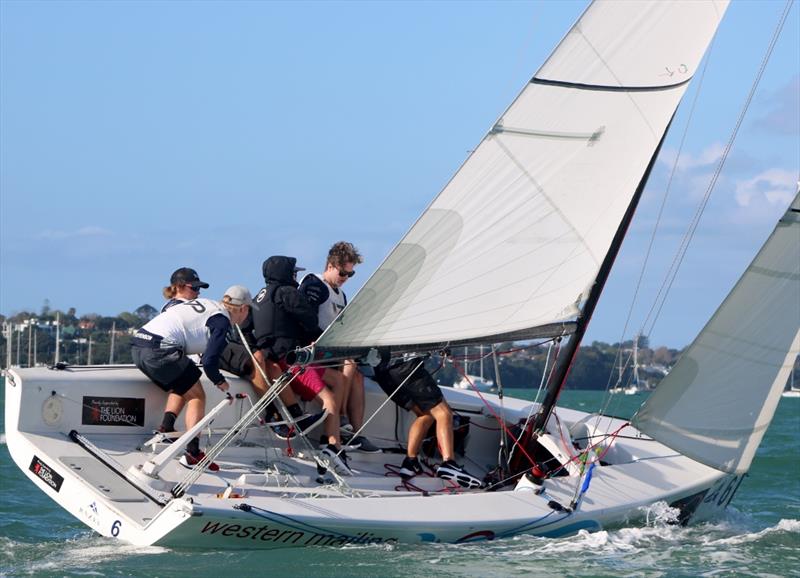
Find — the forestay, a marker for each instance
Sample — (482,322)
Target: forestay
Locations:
(716,403)
(511,246)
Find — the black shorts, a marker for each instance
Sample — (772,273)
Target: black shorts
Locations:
(420,389)
(236,359)
(169,369)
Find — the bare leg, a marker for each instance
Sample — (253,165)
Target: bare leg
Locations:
(328,400)
(444,429)
(340,386)
(354,404)
(417,431)
(195,405)
(273,371)
(260,385)
(175,403)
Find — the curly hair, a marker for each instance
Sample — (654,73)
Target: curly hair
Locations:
(342,253)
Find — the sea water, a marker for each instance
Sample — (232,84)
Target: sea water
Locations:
(759,535)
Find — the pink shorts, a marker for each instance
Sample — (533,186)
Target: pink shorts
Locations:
(309,383)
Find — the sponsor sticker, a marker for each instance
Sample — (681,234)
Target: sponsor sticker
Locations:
(120,411)
(45,473)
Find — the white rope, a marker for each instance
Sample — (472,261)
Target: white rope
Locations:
(320,459)
(381,406)
(536,399)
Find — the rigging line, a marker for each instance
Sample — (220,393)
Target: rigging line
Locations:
(282,409)
(664,198)
(381,406)
(181,487)
(494,414)
(712,183)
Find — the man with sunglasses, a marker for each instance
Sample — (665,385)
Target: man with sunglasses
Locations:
(324,291)
(184,285)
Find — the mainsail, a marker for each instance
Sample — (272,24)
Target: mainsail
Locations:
(716,403)
(512,245)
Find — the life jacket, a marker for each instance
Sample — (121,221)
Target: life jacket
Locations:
(278,321)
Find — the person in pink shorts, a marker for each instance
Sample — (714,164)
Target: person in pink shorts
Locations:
(284,321)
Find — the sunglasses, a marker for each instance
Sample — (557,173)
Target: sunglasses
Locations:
(194,288)
(347,274)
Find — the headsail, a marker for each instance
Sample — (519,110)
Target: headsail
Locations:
(719,399)
(511,246)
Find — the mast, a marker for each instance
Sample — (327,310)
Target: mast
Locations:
(113,335)
(9,344)
(561,371)
(30,342)
(58,338)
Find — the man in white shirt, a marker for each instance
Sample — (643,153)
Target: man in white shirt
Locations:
(324,291)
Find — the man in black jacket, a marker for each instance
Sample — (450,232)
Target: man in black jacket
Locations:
(284,321)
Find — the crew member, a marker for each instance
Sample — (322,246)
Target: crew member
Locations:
(183,286)
(161,348)
(284,321)
(324,291)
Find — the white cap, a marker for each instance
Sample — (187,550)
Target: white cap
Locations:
(240,295)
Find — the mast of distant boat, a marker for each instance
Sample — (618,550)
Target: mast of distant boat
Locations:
(58,338)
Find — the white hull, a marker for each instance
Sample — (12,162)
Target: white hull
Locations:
(279,510)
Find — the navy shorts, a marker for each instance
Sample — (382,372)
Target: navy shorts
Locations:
(236,360)
(169,369)
(420,389)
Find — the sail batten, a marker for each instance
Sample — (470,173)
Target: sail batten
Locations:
(611,88)
(518,235)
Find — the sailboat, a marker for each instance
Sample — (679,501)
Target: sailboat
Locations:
(541,207)
(635,386)
(474,382)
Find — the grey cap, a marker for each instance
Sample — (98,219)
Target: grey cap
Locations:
(240,295)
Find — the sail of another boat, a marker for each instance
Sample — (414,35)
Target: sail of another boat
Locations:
(716,403)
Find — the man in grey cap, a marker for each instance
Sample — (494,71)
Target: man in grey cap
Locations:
(236,359)
(184,285)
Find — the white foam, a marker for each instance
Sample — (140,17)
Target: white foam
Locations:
(88,552)
(2,439)
(783,525)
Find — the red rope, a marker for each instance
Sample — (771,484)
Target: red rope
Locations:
(497,417)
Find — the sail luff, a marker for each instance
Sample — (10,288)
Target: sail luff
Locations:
(559,376)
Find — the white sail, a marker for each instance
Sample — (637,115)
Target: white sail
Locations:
(716,403)
(512,244)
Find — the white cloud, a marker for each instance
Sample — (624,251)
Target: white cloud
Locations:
(773,186)
(83,232)
(709,156)
(763,197)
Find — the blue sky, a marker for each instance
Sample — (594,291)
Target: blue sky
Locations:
(137,137)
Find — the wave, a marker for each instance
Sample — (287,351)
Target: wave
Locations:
(88,553)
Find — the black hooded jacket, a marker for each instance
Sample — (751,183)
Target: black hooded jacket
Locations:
(284,319)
